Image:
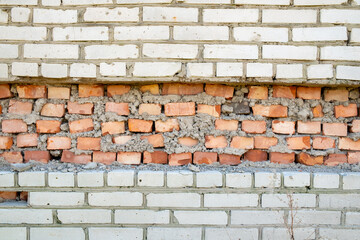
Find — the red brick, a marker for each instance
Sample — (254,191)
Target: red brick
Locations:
(156,140)
(180,109)
(309,127)
(168,126)
(27,140)
(24,196)
(40,156)
(205,157)
(12,157)
(250,126)
(88,143)
(121,139)
(284,92)
(283,127)
(8,195)
(149,108)
(70,157)
(91,90)
(133,158)
(309,93)
(242,142)
(335,129)
(31,91)
(342,111)
(188,141)
(115,90)
(298,143)
(82,125)
(273,111)
(317,111)
(118,108)
(215,142)
(261,142)
(355,126)
(106,158)
(226,125)
(334,159)
(158,157)
(53,110)
(282,158)
(47,126)
(57,143)
(13,126)
(138,125)
(6,142)
(58,92)
(80,108)
(229,159)
(5,91)
(323,143)
(211,110)
(152,88)
(18,107)
(112,128)
(309,160)
(353,157)
(349,144)
(179,159)
(255,156)
(218,90)
(257,92)
(341,95)
(182,89)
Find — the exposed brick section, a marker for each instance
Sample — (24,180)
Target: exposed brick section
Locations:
(158,157)
(12,157)
(257,92)
(250,126)
(282,158)
(137,125)
(88,143)
(56,143)
(349,144)
(156,140)
(8,195)
(335,159)
(309,93)
(70,157)
(346,111)
(180,109)
(121,139)
(353,157)
(242,142)
(261,142)
(341,95)
(205,157)
(104,157)
(53,110)
(179,159)
(217,90)
(151,109)
(19,107)
(215,142)
(91,90)
(13,126)
(167,126)
(214,111)
(118,108)
(284,92)
(58,92)
(317,111)
(181,89)
(226,125)
(116,90)
(309,160)
(82,125)
(80,108)
(273,111)
(133,158)
(31,91)
(283,127)
(112,128)
(40,156)
(188,141)
(323,143)
(5,91)
(309,127)
(152,88)
(298,143)
(27,140)
(6,142)
(355,126)
(255,156)
(335,129)
(229,159)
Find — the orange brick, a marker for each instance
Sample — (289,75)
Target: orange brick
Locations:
(156,140)
(31,91)
(82,125)
(261,142)
(57,143)
(188,141)
(355,126)
(341,95)
(273,111)
(112,128)
(229,159)
(215,142)
(349,144)
(182,89)
(13,126)
(8,195)
(70,157)
(133,158)
(12,157)
(118,108)
(6,142)
(250,126)
(334,159)
(282,158)
(298,143)
(205,157)
(5,91)
(179,159)
(317,111)
(152,88)
(88,143)
(80,108)
(335,129)
(218,90)
(309,127)
(40,156)
(180,109)
(115,90)
(346,111)
(158,157)
(284,92)
(309,160)
(353,157)
(323,143)
(47,126)
(90,90)
(27,140)
(149,108)
(309,93)
(58,92)
(255,156)
(242,142)
(18,107)
(24,196)
(211,110)
(257,92)
(168,126)
(106,158)
(283,127)
(53,110)
(121,139)
(138,125)
(226,125)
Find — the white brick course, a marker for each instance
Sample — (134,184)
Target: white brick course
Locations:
(150,179)
(231,15)
(54,70)
(289,71)
(3,16)
(295,201)
(13,233)
(348,72)
(351,181)
(326,180)
(259,70)
(283,233)
(296,179)
(207,1)
(340,53)
(320,34)
(24,69)
(51,2)
(113,69)
(111,51)
(231,51)
(201,217)
(83,70)
(289,16)
(54,16)
(81,34)
(339,201)
(23,33)
(90,179)
(20,14)
(231,233)
(31,179)
(267,180)
(18,2)
(190,200)
(72,216)
(261,34)
(185,51)
(142,33)
(121,178)
(339,234)
(142,217)
(180,179)
(170,14)
(320,71)
(56,51)
(9,51)
(230,200)
(4,71)
(115,233)
(86,2)
(209,179)
(141,1)
(355,35)
(308,217)
(115,199)
(57,233)
(238,180)
(199,69)
(318,2)
(339,16)
(7,179)
(155,233)
(28,216)
(119,14)
(255,217)
(57,179)
(156,69)
(201,33)
(263,2)
(289,52)
(56,198)
(352,218)
(229,69)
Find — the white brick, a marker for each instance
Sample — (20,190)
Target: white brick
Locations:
(57,233)
(318,2)
(121,178)
(12,233)
(57,51)
(150,178)
(18,2)
(352,218)
(339,201)
(7,179)
(3,16)
(259,70)
(257,217)
(20,14)
(23,33)
(190,200)
(54,16)
(289,71)
(231,51)
(113,69)
(84,216)
(339,234)
(289,16)
(267,180)
(231,15)
(115,233)
(231,200)
(283,233)
(142,217)
(340,53)
(56,198)
(54,70)
(231,233)
(185,51)
(201,217)
(201,33)
(51,2)
(340,16)
(119,14)
(320,34)
(86,2)
(238,180)
(142,33)
(208,1)
(289,52)
(309,217)
(24,69)
(31,179)
(199,69)
(115,199)
(326,180)
(355,35)
(295,201)
(348,72)
(351,181)
(170,14)
(229,69)
(58,179)
(154,233)
(141,1)
(80,34)
(159,69)
(209,179)
(83,70)
(261,34)
(4,72)
(296,179)
(28,216)
(320,71)
(180,179)
(9,51)
(90,179)
(111,51)
(263,2)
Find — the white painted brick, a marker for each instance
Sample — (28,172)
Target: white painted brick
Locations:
(150,178)
(289,52)
(170,14)
(346,53)
(289,16)
(24,69)
(261,34)
(231,233)
(189,200)
(283,233)
(158,69)
(141,1)
(231,15)
(326,180)
(54,16)
(90,179)
(231,200)
(86,2)
(83,70)
(119,14)
(58,179)
(186,51)
(310,217)
(295,201)
(348,72)
(142,217)
(209,179)
(142,33)
(318,2)
(340,16)
(3,16)
(23,33)
(115,233)
(199,69)
(84,216)
(339,201)
(113,69)
(320,34)
(207,1)
(254,217)
(54,70)
(320,71)
(121,178)
(31,179)
(229,69)
(154,233)
(9,51)
(180,179)
(80,34)
(57,233)
(18,2)
(351,181)
(201,33)
(7,179)
(56,51)
(296,179)
(4,72)
(20,14)
(51,2)
(111,51)
(289,71)
(352,218)
(238,180)
(28,216)
(263,2)
(115,199)
(339,234)
(12,233)
(355,35)
(201,217)
(56,198)
(231,51)
(267,180)
(259,70)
